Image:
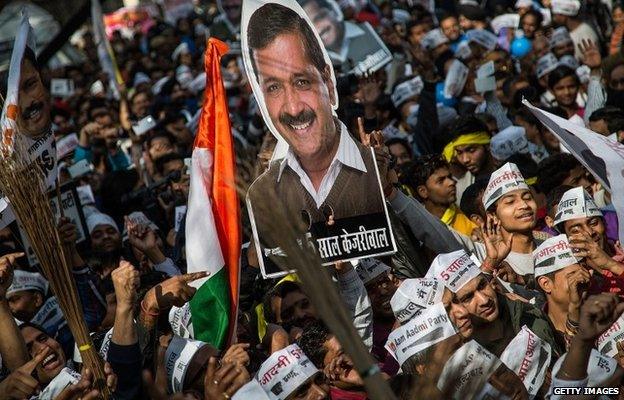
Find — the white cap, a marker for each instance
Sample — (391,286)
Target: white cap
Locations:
(183,48)
(502,181)
(576,203)
(251,390)
(607,342)
(100,219)
(565,7)
(523,3)
(418,334)
(415,295)
(433,39)
(546,64)
(96,88)
(284,372)
(198,84)
(157,87)
(104,346)
(569,61)
(484,38)
(599,368)
(559,36)
(529,357)
(474,364)
(454,269)
(370,268)
(406,90)
(139,78)
(178,358)
(180,321)
(24,280)
(65,378)
(511,140)
(505,21)
(552,255)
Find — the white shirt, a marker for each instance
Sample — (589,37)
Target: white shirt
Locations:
(347,154)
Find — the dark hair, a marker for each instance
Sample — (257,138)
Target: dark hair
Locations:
(281,291)
(538,17)
(553,170)
(527,116)
(446,15)
(526,165)
(417,172)
(486,118)
(471,12)
(560,73)
(95,103)
(553,198)
(272,20)
(400,141)
(312,342)
(161,161)
(613,116)
(4,75)
(159,134)
(470,203)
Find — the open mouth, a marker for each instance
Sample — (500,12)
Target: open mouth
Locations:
(50,362)
(301,127)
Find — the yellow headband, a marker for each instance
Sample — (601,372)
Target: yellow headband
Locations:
(463,140)
(262,324)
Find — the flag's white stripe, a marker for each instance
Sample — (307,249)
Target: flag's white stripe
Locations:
(203,252)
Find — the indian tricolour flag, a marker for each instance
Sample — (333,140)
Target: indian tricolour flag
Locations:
(213,221)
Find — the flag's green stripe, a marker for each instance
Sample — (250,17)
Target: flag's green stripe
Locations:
(210,310)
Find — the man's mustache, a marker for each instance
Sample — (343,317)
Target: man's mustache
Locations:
(32,108)
(301,118)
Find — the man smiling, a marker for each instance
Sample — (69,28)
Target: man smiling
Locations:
(325,175)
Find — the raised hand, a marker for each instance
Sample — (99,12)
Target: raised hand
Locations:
(374,139)
(224,381)
(173,292)
(126,280)
(68,232)
(584,246)
(496,247)
(6,271)
(140,236)
(598,313)
(237,354)
(576,281)
(590,54)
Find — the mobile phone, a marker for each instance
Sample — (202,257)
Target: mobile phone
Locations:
(144,125)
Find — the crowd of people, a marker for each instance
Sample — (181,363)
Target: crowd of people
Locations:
(508,275)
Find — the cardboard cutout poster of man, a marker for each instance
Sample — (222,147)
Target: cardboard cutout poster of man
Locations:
(355,47)
(324,176)
(26,123)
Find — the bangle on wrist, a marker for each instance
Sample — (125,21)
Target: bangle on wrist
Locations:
(147,311)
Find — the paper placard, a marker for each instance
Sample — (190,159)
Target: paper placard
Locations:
(487,84)
(455,79)
(86,195)
(66,145)
(180,214)
(486,70)
(62,87)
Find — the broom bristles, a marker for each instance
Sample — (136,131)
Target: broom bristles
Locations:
(23,184)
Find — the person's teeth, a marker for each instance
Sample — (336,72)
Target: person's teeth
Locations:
(49,359)
(300,127)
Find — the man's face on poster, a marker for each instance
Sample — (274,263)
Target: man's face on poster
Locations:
(33,102)
(297,95)
(326,22)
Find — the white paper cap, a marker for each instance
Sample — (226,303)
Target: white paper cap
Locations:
(552,255)
(546,64)
(505,21)
(24,280)
(418,334)
(180,321)
(559,36)
(454,269)
(599,369)
(433,39)
(183,48)
(523,3)
(251,391)
(178,357)
(502,181)
(157,87)
(406,90)
(370,268)
(415,295)
(565,7)
(528,356)
(140,78)
(569,61)
(511,140)
(284,372)
(575,203)
(100,219)
(484,38)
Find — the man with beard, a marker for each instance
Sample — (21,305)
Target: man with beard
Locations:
(325,175)
(105,243)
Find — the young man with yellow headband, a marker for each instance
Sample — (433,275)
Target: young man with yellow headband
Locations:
(468,148)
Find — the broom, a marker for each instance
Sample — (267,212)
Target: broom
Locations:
(22,182)
(319,287)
